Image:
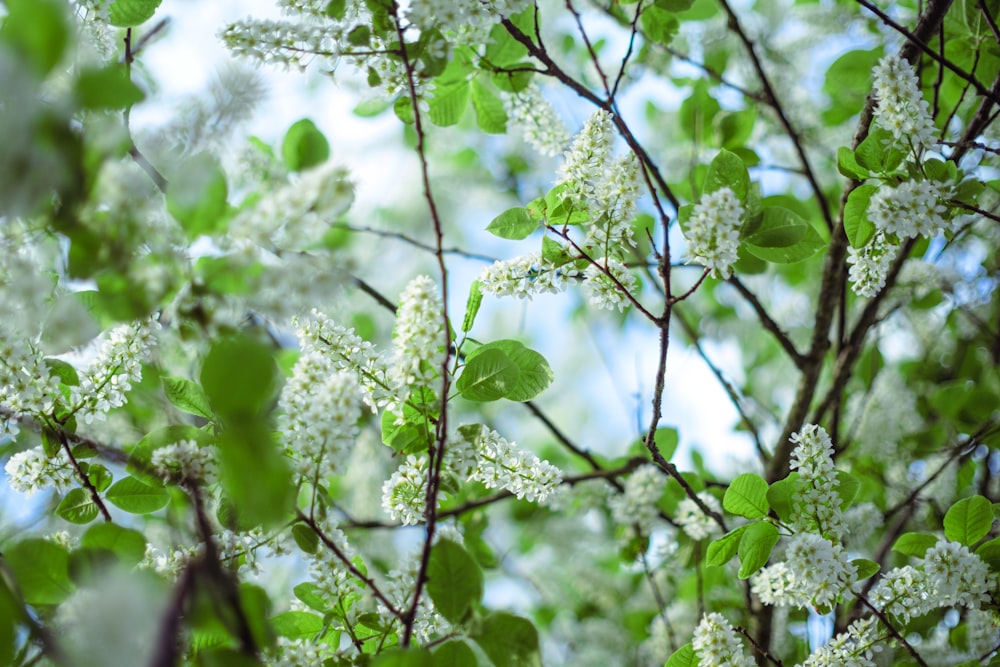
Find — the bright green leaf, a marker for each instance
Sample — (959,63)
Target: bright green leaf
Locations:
(683,657)
(449,102)
(306,538)
(37,29)
(238,376)
(304,146)
(107,88)
(866,568)
(535,374)
(488,376)
(914,544)
(722,549)
(514,223)
(455,653)
(728,170)
(847,165)
(490,114)
(130,13)
(968,520)
(297,624)
(77,506)
(755,547)
(659,25)
(41,569)
(187,396)
(783,237)
(509,641)
(128,544)
(860,230)
(196,195)
(472,305)
(747,497)
(397,657)
(137,497)
(454,580)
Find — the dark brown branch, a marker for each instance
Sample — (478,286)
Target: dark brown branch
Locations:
(83,477)
(768,323)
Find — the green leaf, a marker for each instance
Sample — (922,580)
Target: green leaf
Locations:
(130,13)
(187,396)
(555,253)
(66,372)
(403,108)
(41,569)
(860,230)
(514,224)
(747,497)
(866,568)
(683,657)
(847,83)
(513,81)
(490,114)
(297,624)
(107,88)
(847,165)
(455,653)
(397,657)
(454,580)
(306,538)
(309,594)
(878,152)
(254,472)
(783,237)
(77,507)
(488,376)
(128,544)
(697,112)
(755,547)
(502,50)
(38,31)
(449,102)
(534,372)
(304,146)
(968,520)
(728,170)
(914,544)
(509,641)
(722,549)
(989,552)
(847,488)
(734,128)
(781,496)
(238,376)
(472,305)
(196,195)
(136,497)
(659,25)
(336,9)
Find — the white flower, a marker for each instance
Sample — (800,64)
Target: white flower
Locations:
(820,569)
(854,648)
(637,504)
(404,494)
(525,276)
(903,593)
(902,110)
(713,231)
(502,465)
(615,195)
(912,208)
(817,500)
(333,581)
(31,470)
(538,121)
(870,265)
(587,159)
(27,387)
(956,576)
(418,336)
(185,461)
(716,643)
(696,523)
(601,291)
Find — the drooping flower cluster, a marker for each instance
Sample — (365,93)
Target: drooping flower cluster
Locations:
(586,161)
(870,265)
(956,576)
(602,291)
(820,571)
(694,521)
(404,494)
(419,333)
(185,461)
(399,589)
(27,387)
(902,592)
(817,501)
(856,647)
(109,377)
(503,466)
(716,643)
(465,21)
(334,583)
(637,504)
(615,197)
(713,231)
(320,409)
(540,125)
(902,109)
(526,276)
(297,215)
(912,208)
(31,470)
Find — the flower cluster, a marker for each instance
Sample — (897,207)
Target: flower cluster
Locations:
(586,161)
(291,44)
(912,208)
(169,563)
(855,647)
(817,501)
(503,466)
(297,215)
(903,593)
(716,643)
(419,333)
(297,653)
(31,470)
(870,265)
(404,494)
(815,572)
(540,125)
(185,461)
(26,385)
(602,291)
(399,589)
(526,276)
(320,410)
(713,231)
(902,110)
(110,376)
(956,576)
(694,521)
(637,504)
(468,22)
(615,197)
(333,581)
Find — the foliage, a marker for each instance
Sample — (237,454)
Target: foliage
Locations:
(250,454)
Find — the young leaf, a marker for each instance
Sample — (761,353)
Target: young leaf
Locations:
(659,25)
(449,102)
(488,376)
(858,227)
(535,374)
(306,538)
(454,580)
(968,520)
(683,657)
(781,496)
(137,497)
(514,224)
(866,568)
(490,114)
(297,624)
(728,170)
(304,146)
(722,549)
(783,237)
(847,165)
(472,305)
(107,88)
(187,396)
(755,547)
(130,13)
(77,506)
(914,544)
(509,641)
(196,195)
(747,497)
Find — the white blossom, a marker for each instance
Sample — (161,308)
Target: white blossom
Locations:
(586,160)
(903,593)
(817,501)
(615,195)
(539,123)
(404,494)
(27,386)
(912,208)
(956,576)
(31,470)
(185,461)
(526,276)
(716,643)
(637,504)
(713,231)
(694,521)
(503,466)
(854,648)
(418,336)
(870,265)
(601,291)
(902,110)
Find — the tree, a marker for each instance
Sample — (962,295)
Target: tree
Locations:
(252,452)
